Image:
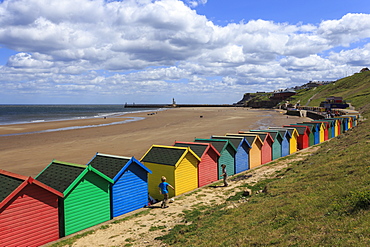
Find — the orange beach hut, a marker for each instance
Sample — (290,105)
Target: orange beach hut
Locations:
(255,153)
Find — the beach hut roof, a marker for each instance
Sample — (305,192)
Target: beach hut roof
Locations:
(219,144)
(12,183)
(62,176)
(197,147)
(300,128)
(291,130)
(317,123)
(263,135)
(113,165)
(330,121)
(167,155)
(274,134)
(235,140)
(325,123)
(311,127)
(59,175)
(283,132)
(250,138)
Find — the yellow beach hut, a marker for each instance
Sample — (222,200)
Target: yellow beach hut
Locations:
(178,164)
(336,126)
(350,121)
(321,129)
(293,142)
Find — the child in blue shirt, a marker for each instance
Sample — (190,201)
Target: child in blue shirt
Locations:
(163,189)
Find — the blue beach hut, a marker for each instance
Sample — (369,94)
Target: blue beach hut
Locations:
(130,181)
(331,128)
(242,151)
(344,124)
(285,144)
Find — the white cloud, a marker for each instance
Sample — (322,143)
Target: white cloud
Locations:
(313,62)
(350,28)
(165,46)
(195,3)
(354,57)
(24,60)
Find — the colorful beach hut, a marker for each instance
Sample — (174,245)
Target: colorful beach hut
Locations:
(311,129)
(349,121)
(227,154)
(344,124)
(285,144)
(208,166)
(326,129)
(340,126)
(86,193)
(242,151)
(355,119)
(255,153)
(280,145)
(276,146)
(303,140)
(314,130)
(267,142)
(28,211)
(293,141)
(337,126)
(129,190)
(330,125)
(178,164)
(321,128)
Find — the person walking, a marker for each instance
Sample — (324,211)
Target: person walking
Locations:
(163,189)
(224,174)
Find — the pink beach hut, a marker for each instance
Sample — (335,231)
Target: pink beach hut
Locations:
(208,166)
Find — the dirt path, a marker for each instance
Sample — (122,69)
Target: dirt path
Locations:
(142,230)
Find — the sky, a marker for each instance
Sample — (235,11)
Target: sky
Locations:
(193,51)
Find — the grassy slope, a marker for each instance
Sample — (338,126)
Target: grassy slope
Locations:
(355,89)
(321,201)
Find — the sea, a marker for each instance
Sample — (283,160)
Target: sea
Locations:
(21,114)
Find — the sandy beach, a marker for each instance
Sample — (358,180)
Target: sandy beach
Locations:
(29,154)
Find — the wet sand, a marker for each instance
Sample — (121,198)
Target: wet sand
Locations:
(29,154)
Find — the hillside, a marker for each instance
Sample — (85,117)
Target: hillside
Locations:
(354,89)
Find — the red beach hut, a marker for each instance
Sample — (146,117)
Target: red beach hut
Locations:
(303,135)
(207,167)
(28,211)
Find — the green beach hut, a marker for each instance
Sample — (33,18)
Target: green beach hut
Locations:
(227,154)
(312,134)
(277,144)
(86,195)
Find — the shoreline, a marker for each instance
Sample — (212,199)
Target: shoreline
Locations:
(29,154)
(78,125)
